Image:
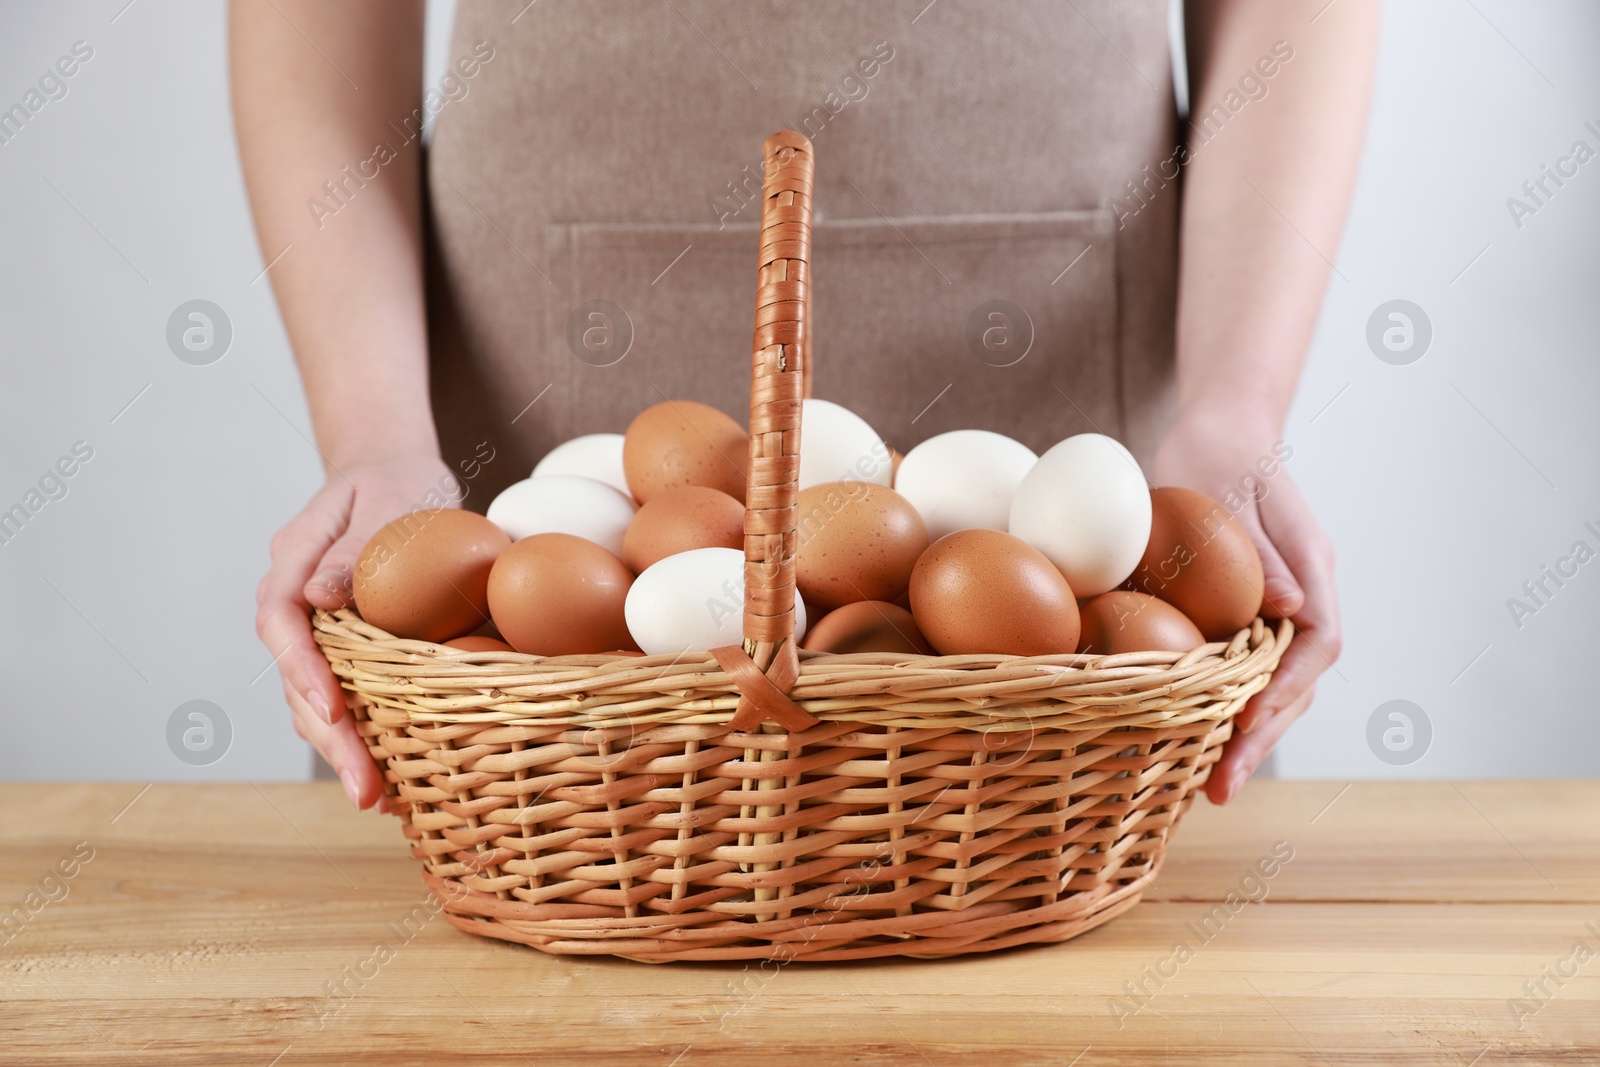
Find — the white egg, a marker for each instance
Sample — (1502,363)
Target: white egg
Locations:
(564,503)
(693,601)
(964,480)
(594,455)
(837,445)
(1086,506)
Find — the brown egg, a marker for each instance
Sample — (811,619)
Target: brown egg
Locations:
(1123,621)
(857,541)
(1201,561)
(555,594)
(680,442)
(425,574)
(487,630)
(867,626)
(677,520)
(473,643)
(894,464)
(985,591)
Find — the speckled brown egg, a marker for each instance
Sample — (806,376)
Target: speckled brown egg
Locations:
(425,575)
(857,541)
(555,594)
(985,591)
(867,626)
(688,517)
(1124,621)
(680,442)
(1200,560)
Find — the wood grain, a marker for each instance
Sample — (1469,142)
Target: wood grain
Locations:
(217,917)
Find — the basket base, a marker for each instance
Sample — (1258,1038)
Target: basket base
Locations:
(1015,853)
(989,932)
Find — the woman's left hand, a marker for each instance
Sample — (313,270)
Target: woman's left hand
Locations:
(1211,453)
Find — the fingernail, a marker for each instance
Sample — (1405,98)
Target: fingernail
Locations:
(319,704)
(1236,781)
(329,580)
(351,790)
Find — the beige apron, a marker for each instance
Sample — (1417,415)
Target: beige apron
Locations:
(593,202)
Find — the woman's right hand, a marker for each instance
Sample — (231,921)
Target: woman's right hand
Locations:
(313,558)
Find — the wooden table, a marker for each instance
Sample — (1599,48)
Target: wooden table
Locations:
(1417,923)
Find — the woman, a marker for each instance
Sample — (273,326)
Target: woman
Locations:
(1012,232)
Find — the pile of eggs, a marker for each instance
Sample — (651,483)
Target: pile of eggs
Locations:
(969,544)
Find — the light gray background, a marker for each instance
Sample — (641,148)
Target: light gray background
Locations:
(1445,484)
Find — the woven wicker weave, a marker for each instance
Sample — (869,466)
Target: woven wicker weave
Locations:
(747,802)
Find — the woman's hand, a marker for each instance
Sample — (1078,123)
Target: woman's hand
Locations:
(1216,454)
(351,295)
(313,558)
(1262,214)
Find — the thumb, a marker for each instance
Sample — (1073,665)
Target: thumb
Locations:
(329,587)
(1281,595)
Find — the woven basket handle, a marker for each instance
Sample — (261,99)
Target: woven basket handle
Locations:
(778,379)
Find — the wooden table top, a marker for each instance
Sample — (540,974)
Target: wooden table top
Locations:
(1415,923)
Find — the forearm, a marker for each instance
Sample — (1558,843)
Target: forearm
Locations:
(349,285)
(1265,198)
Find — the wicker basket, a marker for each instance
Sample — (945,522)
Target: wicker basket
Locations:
(749,803)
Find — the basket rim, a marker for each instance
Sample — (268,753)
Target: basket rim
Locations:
(433,684)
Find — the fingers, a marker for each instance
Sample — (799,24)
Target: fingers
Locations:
(1244,752)
(281,620)
(1297,672)
(1309,554)
(1317,643)
(329,588)
(298,546)
(286,631)
(1282,594)
(342,748)
(1301,545)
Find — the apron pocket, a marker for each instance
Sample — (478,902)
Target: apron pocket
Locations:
(920,325)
